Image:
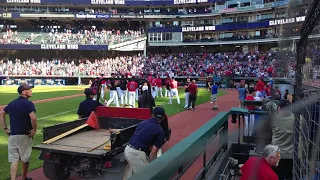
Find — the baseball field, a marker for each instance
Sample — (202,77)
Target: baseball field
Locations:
(58,104)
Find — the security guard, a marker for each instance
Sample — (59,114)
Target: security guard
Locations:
(88,105)
(146,141)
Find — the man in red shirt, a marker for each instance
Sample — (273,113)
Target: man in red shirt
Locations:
(132,86)
(193,91)
(159,86)
(259,87)
(260,168)
(174,90)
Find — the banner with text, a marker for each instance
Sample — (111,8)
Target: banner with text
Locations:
(53,47)
(113,2)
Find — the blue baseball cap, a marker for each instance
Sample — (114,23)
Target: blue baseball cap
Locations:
(158,112)
(88,91)
(24,87)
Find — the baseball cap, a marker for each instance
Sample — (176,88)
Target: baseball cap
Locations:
(272,106)
(158,112)
(23,87)
(88,91)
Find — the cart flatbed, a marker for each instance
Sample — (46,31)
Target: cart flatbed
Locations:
(80,143)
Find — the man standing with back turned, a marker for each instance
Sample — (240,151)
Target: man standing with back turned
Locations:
(23,126)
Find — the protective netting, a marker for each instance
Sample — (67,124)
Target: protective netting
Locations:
(306,159)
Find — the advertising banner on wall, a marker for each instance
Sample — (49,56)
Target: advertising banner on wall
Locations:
(53,47)
(106,2)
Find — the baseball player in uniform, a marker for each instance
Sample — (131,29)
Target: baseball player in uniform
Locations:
(154,87)
(186,90)
(132,87)
(167,93)
(174,90)
(113,91)
(103,88)
(159,86)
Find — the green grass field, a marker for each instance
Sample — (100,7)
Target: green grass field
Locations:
(9,93)
(56,112)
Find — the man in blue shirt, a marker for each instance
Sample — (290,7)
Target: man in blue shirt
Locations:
(23,126)
(214,95)
(88,105)
(148,135)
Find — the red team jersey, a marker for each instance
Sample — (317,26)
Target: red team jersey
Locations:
(154,82)
(174,84)
(132,86)
(150,79)
(159,82)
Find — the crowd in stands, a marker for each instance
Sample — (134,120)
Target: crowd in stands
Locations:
(85,36)
(256,64)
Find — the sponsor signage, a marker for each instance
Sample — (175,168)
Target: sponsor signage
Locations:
(189,1)
(59,46)
(24,1)
(54,46)
(199,28)
(106,16)
(92,16)
(287,21)
(128,16)
(111,2)
(107,1)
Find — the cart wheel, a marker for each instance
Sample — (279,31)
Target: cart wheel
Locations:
(54,171)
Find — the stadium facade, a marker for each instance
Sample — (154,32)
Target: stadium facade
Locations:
(174,25)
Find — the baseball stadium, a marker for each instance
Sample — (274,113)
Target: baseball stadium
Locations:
(159,89)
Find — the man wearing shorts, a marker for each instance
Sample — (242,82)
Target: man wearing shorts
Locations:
(214,95)
(23,126)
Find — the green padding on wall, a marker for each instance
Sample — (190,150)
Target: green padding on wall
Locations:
(185,151)
(236,110)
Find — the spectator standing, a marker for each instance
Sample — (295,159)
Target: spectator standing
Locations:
(193,92)
(285,96)
(282,124)
(242,94)
(23,126)
(259,88)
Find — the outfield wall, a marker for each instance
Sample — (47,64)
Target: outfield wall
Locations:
(225,82)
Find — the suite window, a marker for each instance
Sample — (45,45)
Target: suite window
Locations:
(267,16)
(257,2)
(166,36)
(243,19)
(228,20)
(226,35)
(281,14)
(220,5)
